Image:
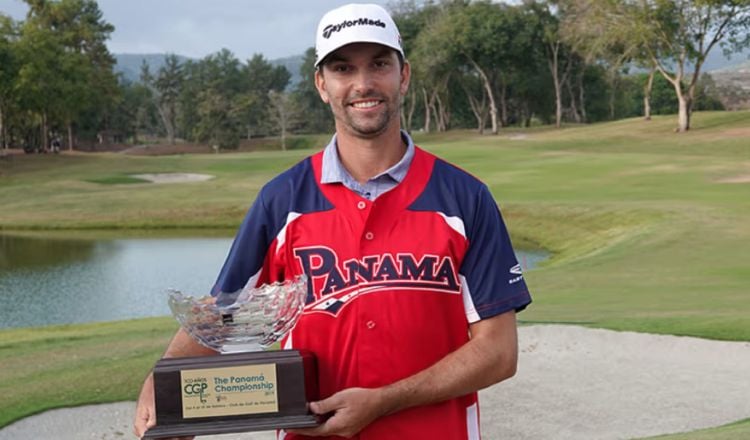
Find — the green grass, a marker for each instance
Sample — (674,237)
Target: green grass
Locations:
(58,366)
(644,235)
(117,180)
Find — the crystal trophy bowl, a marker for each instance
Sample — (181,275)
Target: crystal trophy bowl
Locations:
(249,320)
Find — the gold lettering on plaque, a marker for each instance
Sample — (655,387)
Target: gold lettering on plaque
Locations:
(229,391)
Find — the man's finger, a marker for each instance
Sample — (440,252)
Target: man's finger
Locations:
(143,422)
(324,406)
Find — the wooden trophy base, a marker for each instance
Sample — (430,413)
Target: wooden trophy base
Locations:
(238,392)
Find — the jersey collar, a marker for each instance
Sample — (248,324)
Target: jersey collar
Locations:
(333,170)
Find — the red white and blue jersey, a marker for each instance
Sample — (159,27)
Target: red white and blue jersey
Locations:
(393,283)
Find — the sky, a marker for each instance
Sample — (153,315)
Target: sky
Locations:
(196,28)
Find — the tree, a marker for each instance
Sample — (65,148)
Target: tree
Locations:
(560,55)
(260,77)
(430,63)
(478,35)
(38,84)
(682,33)
(165,89)
(676,36)
(83,78)
(317,116)
(283,113)
(8,73)
(220,99)
(585,28)
(134,112)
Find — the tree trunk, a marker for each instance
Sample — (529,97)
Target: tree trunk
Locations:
(683,118)
(166,119)
(441,113)
(410,110)
(45,140)
(558,103)
(647,95)
(573,107)
(70,136)
(503,107)
(490,95)
(523,111)
(170,130)
(4,143)
(426,111)
(434,112)
(479,110)
(553,64)
(582,96)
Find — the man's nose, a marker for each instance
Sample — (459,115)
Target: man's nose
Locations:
(363,82)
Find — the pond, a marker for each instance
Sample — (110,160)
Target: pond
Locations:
(46,281)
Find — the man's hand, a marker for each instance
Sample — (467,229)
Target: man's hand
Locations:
(181,345)
(145,410)
(349,411)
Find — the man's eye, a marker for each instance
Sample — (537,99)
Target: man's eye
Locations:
(341,68)
(381,64)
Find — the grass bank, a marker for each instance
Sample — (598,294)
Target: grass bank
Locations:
(62,366)
(648,231)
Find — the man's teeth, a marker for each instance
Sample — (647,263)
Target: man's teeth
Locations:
(365,104)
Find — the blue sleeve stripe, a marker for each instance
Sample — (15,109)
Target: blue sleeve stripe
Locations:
(293,192)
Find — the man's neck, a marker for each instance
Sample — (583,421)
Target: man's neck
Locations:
(366,158)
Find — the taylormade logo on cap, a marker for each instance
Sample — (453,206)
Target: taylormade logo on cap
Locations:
(331,28)
(355,23)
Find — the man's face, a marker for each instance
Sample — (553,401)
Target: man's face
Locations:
(363,83)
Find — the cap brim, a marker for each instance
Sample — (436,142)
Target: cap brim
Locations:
(363,40)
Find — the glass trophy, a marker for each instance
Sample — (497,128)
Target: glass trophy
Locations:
(245,387)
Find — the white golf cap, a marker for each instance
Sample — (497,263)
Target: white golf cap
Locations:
(355,23)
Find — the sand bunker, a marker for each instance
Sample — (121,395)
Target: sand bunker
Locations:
(174,177)
(744,178)
(572,382)
(518,137)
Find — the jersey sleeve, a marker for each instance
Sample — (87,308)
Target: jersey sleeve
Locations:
(491,278)
(252,259)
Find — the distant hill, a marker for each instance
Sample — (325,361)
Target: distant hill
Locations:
(129,65)
(716,59)
(293,65)
(734,85)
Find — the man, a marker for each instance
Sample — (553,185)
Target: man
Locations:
(413,284)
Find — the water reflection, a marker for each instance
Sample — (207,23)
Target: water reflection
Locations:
(24,252)
(102,280)
(46,281)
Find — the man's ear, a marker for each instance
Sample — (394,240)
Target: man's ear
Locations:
(320,84)
(405,78)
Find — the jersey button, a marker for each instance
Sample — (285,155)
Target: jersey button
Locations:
(370,324)
(361,205)
(369,235)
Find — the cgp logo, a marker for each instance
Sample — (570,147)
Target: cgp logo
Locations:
(196,388)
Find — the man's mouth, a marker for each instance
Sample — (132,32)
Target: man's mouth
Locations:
(365,104)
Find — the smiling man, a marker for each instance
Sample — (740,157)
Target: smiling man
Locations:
(413,283)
